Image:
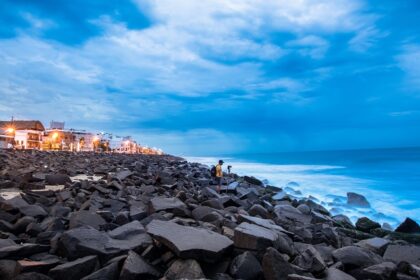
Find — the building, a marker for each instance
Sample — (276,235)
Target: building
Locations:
(85,141)
(7,136)
(26,134)
(56,138)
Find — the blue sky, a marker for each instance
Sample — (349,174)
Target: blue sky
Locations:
(215,77)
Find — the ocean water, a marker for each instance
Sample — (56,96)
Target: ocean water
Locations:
(388,178)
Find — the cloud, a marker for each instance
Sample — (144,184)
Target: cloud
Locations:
(409,62)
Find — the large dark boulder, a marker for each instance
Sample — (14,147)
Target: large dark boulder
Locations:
(245,266)
(382,271)
(57,179)
(309,258)
(276,266)
(190,242)
(16,252)
(184,269)
(253,181)
(171,204)
(398,253)
(127,230)
(408,226)
(86,218)
(366,225)
(108,272)
(357,200)
(32,276)
(353,257)
(336,274)
(84,241)
(376,244)
(135,267)
(75,269)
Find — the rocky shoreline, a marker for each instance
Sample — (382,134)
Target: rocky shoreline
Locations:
(159,217)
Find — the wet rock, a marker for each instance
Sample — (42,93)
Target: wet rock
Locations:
(398,253)
(336,274)
(187,242)
(245,266)
(366,225)
(86,218)
(253,181)
(358,200)
(108,272)
(75,269)
(288,213)
(275,266)
(57,179)
(184,269)
(408,226)
(135,267)
(353,256)
(304,209)
(343,221)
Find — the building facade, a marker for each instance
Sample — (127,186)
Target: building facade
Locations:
(26,134)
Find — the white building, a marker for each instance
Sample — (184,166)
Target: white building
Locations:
(27,134)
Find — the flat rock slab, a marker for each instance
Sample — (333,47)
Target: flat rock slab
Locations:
(398,253)
(267,223)
(22,251)
(127,230)
(189,242)
(57,179)
(75,269)
(136,268)
(254,237)
(165,203)
(356,256)
(86,218)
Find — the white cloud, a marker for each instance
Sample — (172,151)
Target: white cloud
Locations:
(311,45)
(366,38)
(409,62)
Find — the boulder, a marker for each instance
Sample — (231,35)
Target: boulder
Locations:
(84,241)
(336,274)
(254,237)
(86,218)
(160,203)
(357,200)
(57,179)
(122,175)
(382,271)
(276,266)
(33,211)
(267,223)
(353,256)
(127,230)
(376,244)
(258,210)
(408,226)
(184,269)
(309,258)
(187,242)
(75,269)
(8,269)
(398,253)
(32,276)
(108,272)
(25,250)
(366,225)
(245,266)
(135,267)
(291,214)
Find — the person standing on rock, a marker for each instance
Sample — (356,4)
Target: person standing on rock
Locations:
(219,175)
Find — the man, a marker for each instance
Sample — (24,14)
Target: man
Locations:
(219,175)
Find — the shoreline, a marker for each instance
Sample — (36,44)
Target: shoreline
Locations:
(155,211)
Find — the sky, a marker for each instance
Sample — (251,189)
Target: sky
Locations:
(215,77)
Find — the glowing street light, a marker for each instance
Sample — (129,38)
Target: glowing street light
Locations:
(54,136)
(10,130)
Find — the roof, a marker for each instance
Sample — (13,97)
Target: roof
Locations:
(22,125)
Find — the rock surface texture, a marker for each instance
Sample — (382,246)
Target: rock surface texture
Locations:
(160,217)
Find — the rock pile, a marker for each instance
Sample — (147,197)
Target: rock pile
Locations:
(159,217)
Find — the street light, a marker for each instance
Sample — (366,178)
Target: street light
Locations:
(10,130)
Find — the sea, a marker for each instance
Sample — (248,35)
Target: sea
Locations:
(388,178)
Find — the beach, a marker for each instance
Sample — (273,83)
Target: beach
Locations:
(87,215)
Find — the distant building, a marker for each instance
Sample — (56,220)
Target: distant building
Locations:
(26,134)
(84,141)
(7,137)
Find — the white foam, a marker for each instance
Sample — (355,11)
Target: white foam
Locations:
(313,181)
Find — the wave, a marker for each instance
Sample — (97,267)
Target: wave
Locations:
(325,184)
